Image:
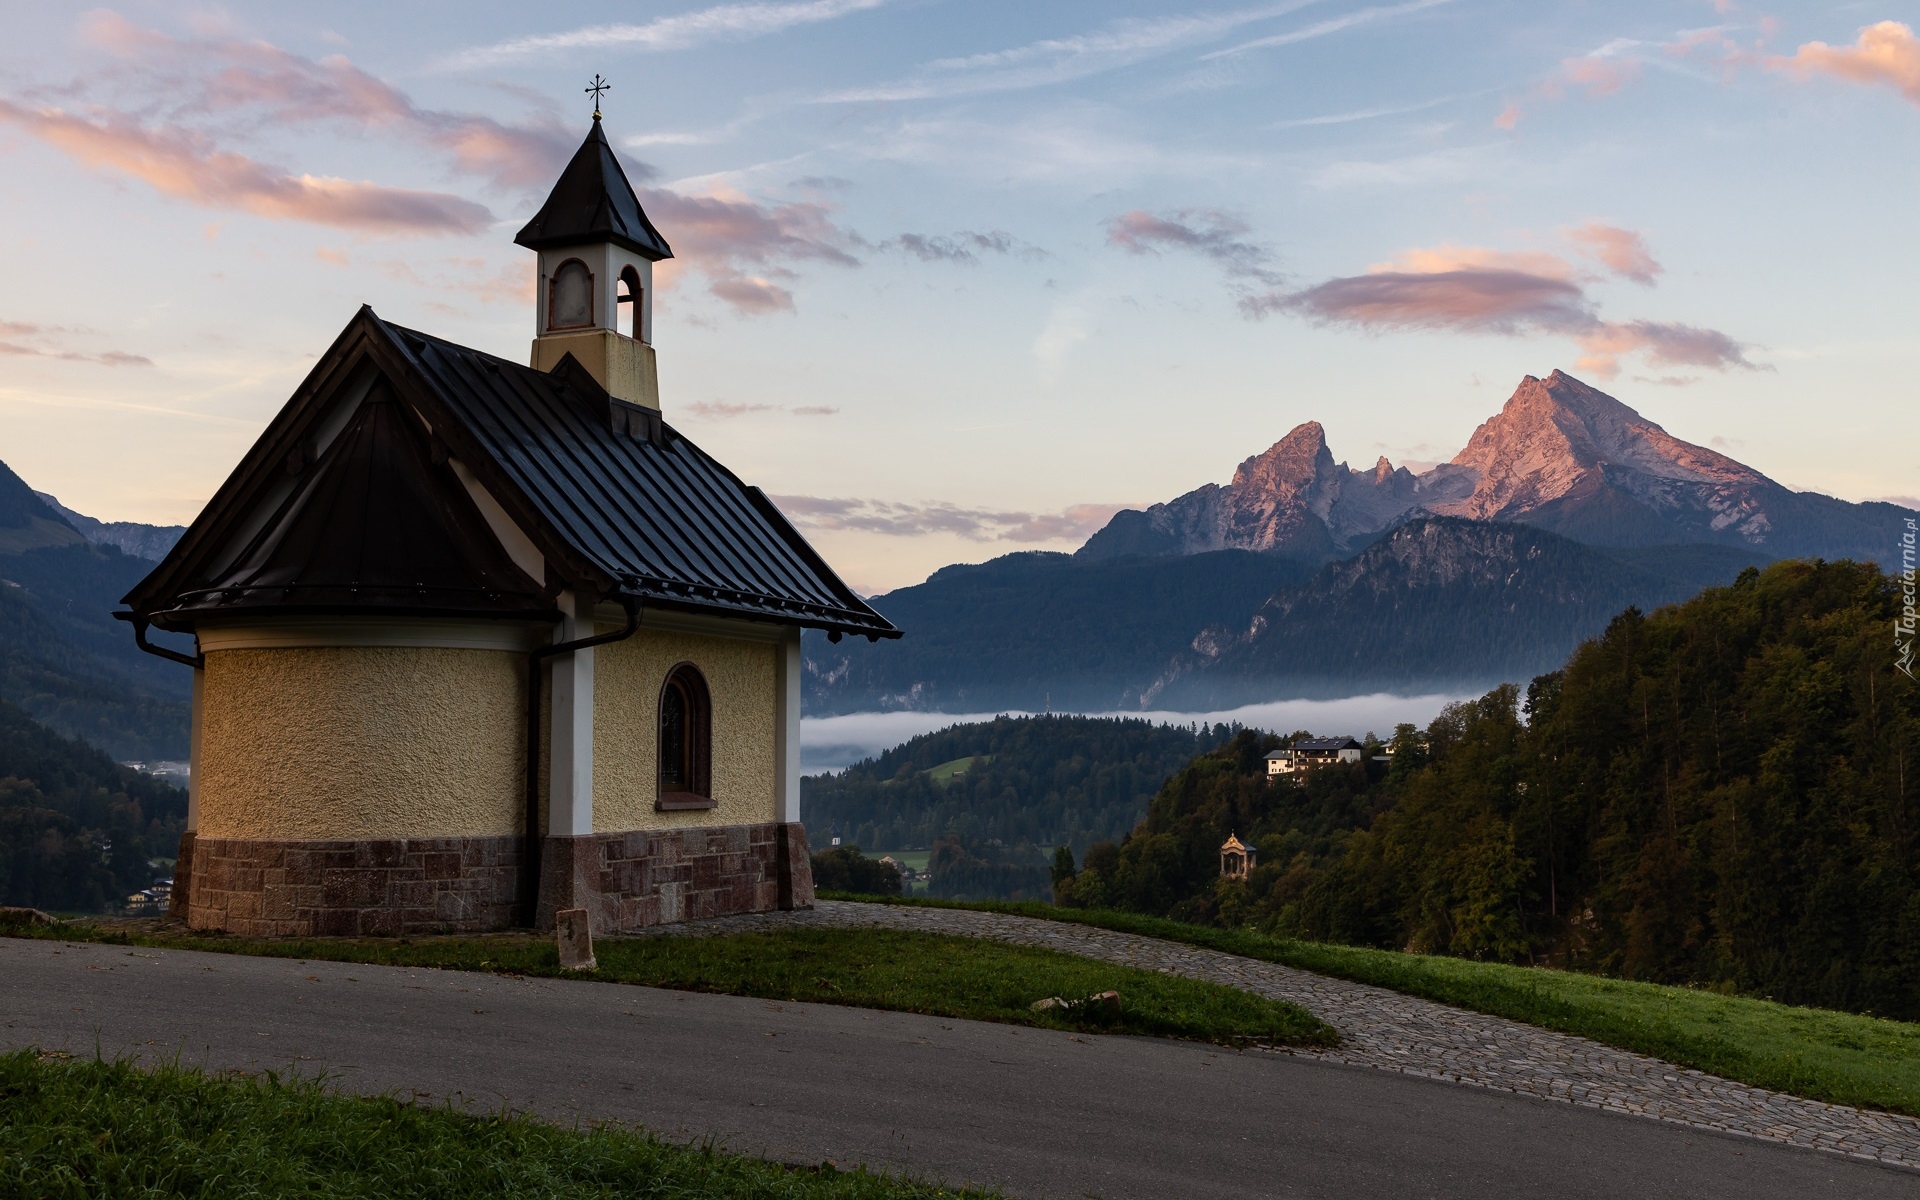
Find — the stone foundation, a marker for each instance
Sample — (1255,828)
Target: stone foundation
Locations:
(389,887)
(656,877)
(376,887)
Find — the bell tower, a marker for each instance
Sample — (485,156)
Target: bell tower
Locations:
(593,295)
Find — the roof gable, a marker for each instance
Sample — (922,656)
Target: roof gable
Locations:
(374,525)
(615,500)
(593,202)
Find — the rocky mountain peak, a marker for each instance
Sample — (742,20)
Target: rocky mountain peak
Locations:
(1555,432)
(1291,465)
(1559,455)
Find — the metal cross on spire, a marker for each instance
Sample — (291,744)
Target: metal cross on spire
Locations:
(599,85)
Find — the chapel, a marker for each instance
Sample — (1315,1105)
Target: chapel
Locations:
(478,641)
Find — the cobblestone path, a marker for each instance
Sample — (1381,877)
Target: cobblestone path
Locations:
(1392,1032)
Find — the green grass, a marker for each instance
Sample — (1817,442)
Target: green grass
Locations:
(946,771)
(98,1129)
(1842,1058)
(898,970)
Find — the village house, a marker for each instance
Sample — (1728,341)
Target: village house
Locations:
(1307,753)
(478,641)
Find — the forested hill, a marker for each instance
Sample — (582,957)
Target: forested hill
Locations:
(76,828)
(1039,781)
(63,658)
(1719,793)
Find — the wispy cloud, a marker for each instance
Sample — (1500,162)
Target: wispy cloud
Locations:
(1621,251)
(896,519)
(22,339)
(1320,29)
(722,410)
(725,22)
(1051,61)
(1217,236)
(1886,55)
(178,162)
(964,247)
(1601,73)
(1359,114)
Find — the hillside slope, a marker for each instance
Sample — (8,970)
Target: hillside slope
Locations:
(63,659)
(1030,629)
(1437,601)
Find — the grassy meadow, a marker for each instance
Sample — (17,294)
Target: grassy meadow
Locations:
(1841,1058)
(80,1128)
(896,970)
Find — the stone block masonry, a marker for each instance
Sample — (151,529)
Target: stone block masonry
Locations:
(386,887)
(353,888)
(637,880)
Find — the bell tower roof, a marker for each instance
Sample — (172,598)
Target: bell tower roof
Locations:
(593,202)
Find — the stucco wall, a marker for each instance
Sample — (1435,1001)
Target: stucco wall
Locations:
(360,742)
(627,679)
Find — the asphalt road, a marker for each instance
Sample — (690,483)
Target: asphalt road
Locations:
(1039,1113)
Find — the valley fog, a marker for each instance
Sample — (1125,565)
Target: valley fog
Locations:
(834,743)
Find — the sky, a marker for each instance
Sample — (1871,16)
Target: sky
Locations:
(958,278)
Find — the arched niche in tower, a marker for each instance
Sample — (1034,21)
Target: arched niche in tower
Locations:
(570,296)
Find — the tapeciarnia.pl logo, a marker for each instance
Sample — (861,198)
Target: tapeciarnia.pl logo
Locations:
(1904,624)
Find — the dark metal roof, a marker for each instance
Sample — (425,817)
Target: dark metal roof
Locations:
(654,513)
(593,202)
(1329,743)
(376,525)
(616,503)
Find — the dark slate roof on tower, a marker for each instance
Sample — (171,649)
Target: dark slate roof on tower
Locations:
(616,501)
(593,202)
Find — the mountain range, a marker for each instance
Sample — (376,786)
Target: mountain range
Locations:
(1563,509)
(1561,456)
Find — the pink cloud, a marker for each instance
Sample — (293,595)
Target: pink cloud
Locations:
(266,84)
(1887,53)
(185,165)
(723,410)
(21,339)
(192,94)
(1621,251)
(1476,290)
(742,245)
(1664,344)
(1595,74)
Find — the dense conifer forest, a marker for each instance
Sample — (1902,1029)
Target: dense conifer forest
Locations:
(984,796)
(77,830)
(1719,793)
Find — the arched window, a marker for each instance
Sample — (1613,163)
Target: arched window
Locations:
(631,321)
(570,296)
(686,741)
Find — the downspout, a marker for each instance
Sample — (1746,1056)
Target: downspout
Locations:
(530,854)
(196,661)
